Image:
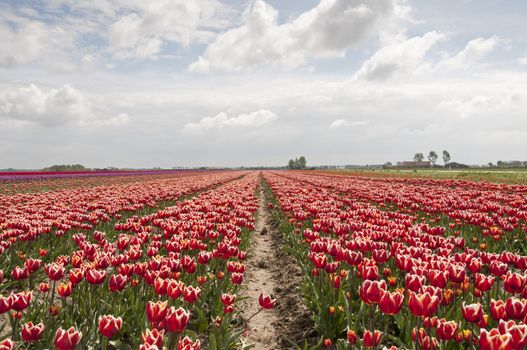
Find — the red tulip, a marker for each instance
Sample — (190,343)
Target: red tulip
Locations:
(228,299)
(153,337)
(370,339)
(65,289)
(497,310)
(438,278)
(175,289)
(423,305)
(67,340)
(95,276)
(76,276)
(493,340)
(32,265)
(55,271)
(518,333)
(19,273)
(414,282)
(497,268)
(204,257)
(446,330)
(31,333)
(20,301)
(117,283)
(109,325)
(371,291)
(515,308)
(473,312)
(391,303)
(369,272)
(483,282)
(191,294)
(5,303)
(237,278)
(266,302)
(160,286)
(156,312)
(513,282)
(7,344)
(188,344)
(351,336)
(177,319)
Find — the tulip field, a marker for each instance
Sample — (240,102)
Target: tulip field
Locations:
(159,261)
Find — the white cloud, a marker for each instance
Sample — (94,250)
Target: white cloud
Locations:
(53,107)
(398,58)
(471,54)
(119,120)
(344,123)
(62,33)
(523,60)
(141,33)
(325,31)
(31,41)
(251,120)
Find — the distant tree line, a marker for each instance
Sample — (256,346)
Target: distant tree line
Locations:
(298,163)
(65,167)
(432,157)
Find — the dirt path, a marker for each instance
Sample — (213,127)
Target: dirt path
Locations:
(261,331)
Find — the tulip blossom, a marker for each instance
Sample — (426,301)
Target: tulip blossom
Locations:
(177,319)
(370,339)
(472,313)
(446,330)
(391,303)
(20,301)
(266,302)
(188,344)
(31,333)
(109,325)
(67,339)
(65,289)
(7,344)
(351,336)
(423,305)
(371,291)
(191,294)
(5,303)
(55,271)
(95,276)
(153,338)
(156,312)
(227,299)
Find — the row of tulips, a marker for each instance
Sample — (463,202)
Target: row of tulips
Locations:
(389,279)
(26,217)
(497,208)
(168,278)
(30,182)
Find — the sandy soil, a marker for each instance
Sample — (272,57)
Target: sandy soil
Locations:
(274,272)
(261,332)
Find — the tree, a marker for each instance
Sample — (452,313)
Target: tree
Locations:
(432,157)
(302,163)
(298,163)
(419,157)
(446,157)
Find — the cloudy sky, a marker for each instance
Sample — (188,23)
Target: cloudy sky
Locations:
(234,82)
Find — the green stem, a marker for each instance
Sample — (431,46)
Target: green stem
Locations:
(173,337)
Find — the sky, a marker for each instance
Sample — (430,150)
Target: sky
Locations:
(233,82)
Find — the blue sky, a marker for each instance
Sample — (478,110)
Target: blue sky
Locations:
(212,82)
